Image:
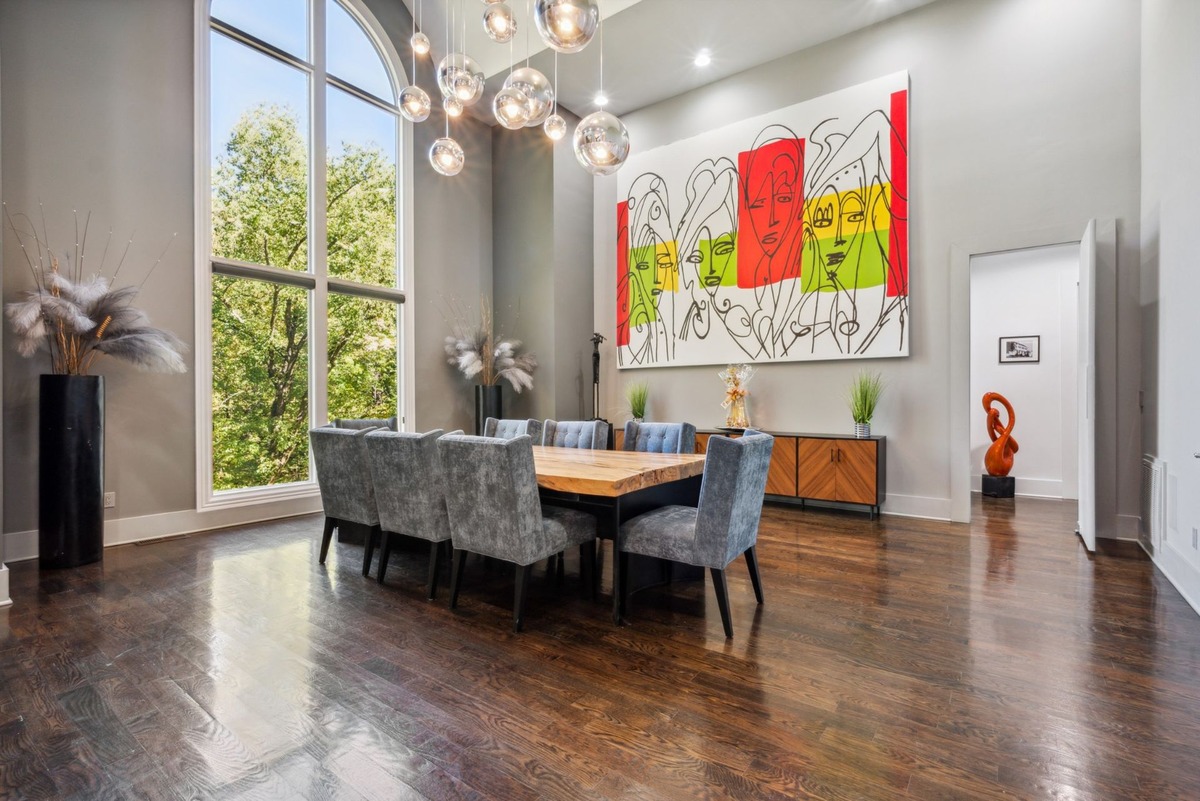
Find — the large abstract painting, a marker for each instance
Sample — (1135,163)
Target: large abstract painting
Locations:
(778,238)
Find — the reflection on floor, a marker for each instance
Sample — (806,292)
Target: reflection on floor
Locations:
(894,658)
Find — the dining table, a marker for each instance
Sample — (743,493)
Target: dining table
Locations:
(617,486)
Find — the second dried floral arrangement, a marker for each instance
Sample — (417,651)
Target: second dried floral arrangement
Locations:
(476,350)
(77,315)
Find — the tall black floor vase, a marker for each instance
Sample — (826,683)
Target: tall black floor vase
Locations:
(70,470)
(487,404)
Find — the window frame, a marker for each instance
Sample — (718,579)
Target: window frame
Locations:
(315,279)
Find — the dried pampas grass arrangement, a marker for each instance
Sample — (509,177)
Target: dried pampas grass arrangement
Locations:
(77,316)
(481,355)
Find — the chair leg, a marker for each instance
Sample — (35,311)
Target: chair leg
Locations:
(752,564)
(622,593)
(458,560)
(385,551)
(369,550)
(562,566)
(435,553)
(523,572)
(326,537)
(718,577)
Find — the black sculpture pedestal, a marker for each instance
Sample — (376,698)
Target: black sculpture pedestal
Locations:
(70,470)
(999,486)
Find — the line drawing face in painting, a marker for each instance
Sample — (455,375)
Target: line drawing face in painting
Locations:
(653,270)
(848,219)
(708,253)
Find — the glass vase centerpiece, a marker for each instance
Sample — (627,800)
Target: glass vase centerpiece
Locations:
(736,377)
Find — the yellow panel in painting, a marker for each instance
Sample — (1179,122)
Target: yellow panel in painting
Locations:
(666,259)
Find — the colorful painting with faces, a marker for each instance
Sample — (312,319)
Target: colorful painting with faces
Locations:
(778,238)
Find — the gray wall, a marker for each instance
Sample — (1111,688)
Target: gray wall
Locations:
(97,114)
(543,268)
(1170,206)
(1023,116)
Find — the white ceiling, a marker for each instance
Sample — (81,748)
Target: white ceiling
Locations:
(649,45)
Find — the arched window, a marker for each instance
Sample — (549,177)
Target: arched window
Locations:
(304,242)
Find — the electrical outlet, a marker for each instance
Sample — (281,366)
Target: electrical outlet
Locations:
(110,500)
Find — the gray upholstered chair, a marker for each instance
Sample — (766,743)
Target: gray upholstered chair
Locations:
(347,493)
(410,493)
(660,437)
(586,434)
(507,429)
(388,423)
(492,499)
(724,526)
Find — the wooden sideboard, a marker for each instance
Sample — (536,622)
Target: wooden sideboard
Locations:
(823,467)
(819,467)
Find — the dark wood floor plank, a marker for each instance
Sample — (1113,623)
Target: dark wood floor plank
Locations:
(894,658)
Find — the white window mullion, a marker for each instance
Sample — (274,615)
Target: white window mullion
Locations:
(318,324)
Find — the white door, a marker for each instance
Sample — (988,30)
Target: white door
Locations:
(1087,387)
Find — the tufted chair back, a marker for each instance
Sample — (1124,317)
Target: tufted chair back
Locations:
(388,423)
(492,498)
(660,437)
(507,429)
(343,474)
(731,497)
(586,434)
(409,487)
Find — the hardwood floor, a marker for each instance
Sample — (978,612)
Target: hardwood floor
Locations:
(895,658)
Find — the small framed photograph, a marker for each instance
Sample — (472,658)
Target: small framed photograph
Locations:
(1024,350)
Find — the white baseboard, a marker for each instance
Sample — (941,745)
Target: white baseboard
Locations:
(5,600)
(20,545)
(916,506)
(1029,487)
(1180,572)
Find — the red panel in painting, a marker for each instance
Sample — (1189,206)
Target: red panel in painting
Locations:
(622,273)
(770,212)
(897,282)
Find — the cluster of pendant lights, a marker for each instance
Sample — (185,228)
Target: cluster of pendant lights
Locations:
(527,99)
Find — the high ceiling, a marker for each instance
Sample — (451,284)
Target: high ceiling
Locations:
(650,45)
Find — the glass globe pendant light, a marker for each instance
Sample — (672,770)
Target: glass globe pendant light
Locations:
(601,143)
(498,22)
(420,43)
(446,156)
(414,101)
(555,126)
(511,107)
(566,25)
(452,107)
(460,77)
(538,91)
(601,140)
(510,104)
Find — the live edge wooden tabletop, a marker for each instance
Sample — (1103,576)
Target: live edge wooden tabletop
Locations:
(610,473)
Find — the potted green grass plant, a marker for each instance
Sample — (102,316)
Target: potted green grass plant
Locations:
(863,397)
(636,394)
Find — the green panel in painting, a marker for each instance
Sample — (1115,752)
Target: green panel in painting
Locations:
(714,261)
(642,272)
(864,265)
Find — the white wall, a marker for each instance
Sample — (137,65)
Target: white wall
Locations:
(1023,117)
(1022,293)
(1170,208)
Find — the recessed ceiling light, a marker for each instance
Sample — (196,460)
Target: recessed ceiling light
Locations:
(703,58)
(601,99)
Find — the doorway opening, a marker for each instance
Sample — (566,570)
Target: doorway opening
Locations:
(1025,346)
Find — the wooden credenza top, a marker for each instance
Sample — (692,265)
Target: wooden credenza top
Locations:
(797,435)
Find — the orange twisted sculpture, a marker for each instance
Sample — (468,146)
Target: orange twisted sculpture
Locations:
(999,457)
